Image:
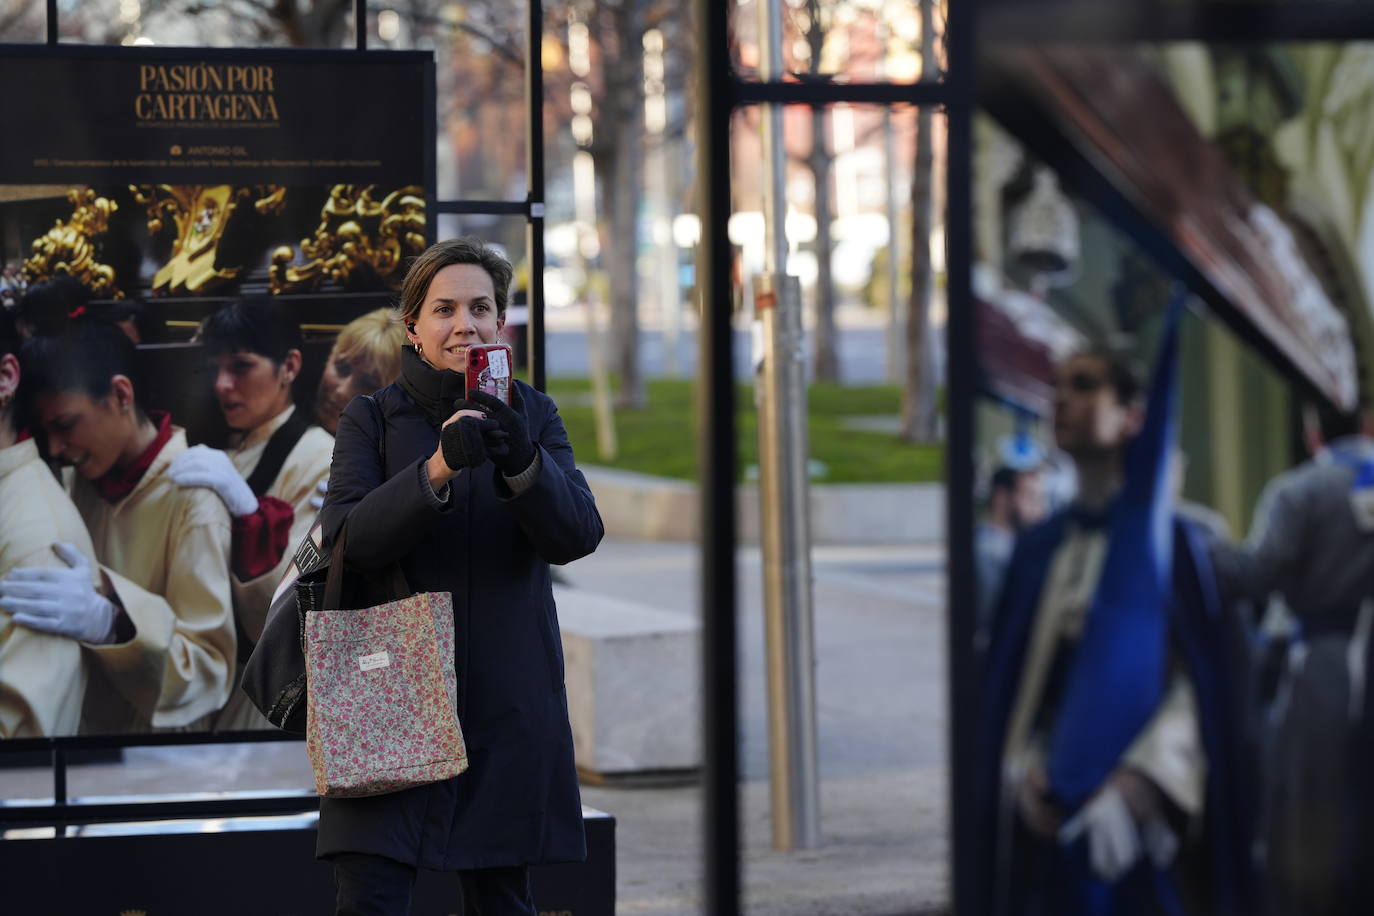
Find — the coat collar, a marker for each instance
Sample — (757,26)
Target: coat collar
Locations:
(433,390)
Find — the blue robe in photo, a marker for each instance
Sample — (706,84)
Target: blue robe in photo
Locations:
(1204,647)
(1156,600)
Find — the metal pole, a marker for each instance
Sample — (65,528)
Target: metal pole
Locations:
(961,374)
(52,22)
(716,410)
(534,168)
(59,776)
(775,189)
(789,628)
(784,497)
(360,24)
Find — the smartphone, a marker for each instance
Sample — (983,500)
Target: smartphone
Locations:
(489,370)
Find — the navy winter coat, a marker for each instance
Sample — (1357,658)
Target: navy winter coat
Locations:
(518,801)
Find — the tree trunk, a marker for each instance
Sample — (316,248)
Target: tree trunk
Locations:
(621,257)
(826,362)
(619,152)
(919,421)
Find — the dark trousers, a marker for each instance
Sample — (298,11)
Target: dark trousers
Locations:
(371,885)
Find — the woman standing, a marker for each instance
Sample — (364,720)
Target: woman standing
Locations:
(163,652)
(42,674)
(476,499)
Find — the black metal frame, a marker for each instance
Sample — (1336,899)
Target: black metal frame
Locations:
(828,93)
(716,461)
(1068,23)
(961,360)
(971,24)
(532,208)
(719,92)
(1084,21)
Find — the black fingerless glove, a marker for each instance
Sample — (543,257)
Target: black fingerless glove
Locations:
(463,442)
(508,443)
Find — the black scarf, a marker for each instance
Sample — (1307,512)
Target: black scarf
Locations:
(434,390)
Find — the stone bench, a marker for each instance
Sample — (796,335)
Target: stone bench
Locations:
(633,682)
(642,506)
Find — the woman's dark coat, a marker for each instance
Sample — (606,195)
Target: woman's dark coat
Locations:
(518,802)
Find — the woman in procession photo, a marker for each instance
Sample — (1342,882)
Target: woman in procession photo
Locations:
(276,462)
(157,622)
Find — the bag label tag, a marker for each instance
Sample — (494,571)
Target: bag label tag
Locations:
(375,660)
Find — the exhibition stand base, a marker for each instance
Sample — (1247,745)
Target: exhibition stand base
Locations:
(235,866)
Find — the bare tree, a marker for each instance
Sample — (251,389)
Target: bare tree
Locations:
(618,150)
(21,18)
(617,29)
(918,390)
(295,23)
(825,358)
(303,23)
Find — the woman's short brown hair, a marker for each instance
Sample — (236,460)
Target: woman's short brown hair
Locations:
(467,250)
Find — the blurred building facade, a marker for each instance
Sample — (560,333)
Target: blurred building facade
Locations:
(1249,166)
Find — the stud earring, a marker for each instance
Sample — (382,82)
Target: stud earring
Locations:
(419,351)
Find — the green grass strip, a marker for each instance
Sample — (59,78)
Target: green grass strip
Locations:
(661,438)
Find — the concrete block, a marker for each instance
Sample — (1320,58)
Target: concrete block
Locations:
(642,506)
(872,513)
(633,684)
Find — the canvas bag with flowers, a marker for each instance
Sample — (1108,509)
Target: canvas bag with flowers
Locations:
(382,713)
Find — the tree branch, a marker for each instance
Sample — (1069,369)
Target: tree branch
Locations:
(506,49)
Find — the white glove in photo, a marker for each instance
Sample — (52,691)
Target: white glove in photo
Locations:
(60,601)
(1114,845)
(317,501)
(202,466)
(1160,842)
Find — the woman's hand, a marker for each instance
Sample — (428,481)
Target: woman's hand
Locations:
(508,441)
(460,446)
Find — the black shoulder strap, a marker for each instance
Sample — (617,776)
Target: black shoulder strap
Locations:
(274,454)
(381,429)
(395,579)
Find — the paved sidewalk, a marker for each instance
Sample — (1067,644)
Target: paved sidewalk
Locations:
(880,682)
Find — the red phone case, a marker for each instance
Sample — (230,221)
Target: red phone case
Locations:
(489,370)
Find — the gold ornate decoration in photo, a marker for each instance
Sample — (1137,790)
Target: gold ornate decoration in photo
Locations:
(69,247)
(362,228)
(201,213)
